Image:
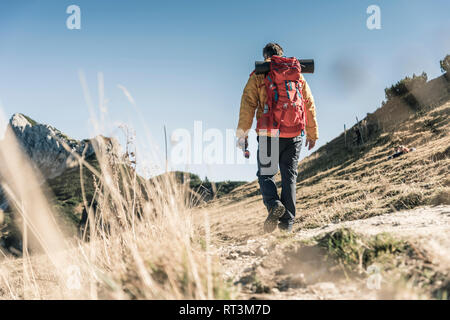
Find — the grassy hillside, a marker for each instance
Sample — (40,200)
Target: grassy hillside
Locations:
(349,229)
(142,243)
(201,190)
(65,193)
(347,181)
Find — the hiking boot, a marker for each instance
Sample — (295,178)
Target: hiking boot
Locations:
(275,213)
(285,227)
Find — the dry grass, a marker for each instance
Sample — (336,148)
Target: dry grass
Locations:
(336,184)
(139,242)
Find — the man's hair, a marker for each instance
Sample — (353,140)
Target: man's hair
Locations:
(272,49)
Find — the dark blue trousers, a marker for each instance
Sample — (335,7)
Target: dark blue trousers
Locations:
(283,153)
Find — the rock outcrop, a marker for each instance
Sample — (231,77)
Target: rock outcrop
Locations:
(44,145)
(55,164)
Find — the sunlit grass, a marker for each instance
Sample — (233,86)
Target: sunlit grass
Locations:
(139,241)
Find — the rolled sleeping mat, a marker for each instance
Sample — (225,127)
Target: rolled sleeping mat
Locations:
(264,67)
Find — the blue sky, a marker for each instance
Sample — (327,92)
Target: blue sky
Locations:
(189,60)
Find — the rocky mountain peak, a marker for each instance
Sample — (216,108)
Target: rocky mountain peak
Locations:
(44,145)
(19,120)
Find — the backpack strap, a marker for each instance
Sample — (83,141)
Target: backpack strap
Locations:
(287,88)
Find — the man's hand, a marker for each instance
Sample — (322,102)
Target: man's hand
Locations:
(310,143)
(242,143)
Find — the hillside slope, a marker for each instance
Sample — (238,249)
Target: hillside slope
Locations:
(348,182)
(340,182)
(62,179)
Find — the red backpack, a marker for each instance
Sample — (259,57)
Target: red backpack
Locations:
(284,112)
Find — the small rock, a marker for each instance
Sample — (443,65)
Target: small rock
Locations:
(295,281)
(275,290)
(260,288)
(248,253)
(261,251)
(324,287)
(233,256)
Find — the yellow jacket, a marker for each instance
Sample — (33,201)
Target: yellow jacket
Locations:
(254,98)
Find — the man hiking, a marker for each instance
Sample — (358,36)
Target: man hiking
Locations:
(285,112)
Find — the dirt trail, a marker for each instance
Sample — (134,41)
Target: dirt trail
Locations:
(342,186)
(267,267)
